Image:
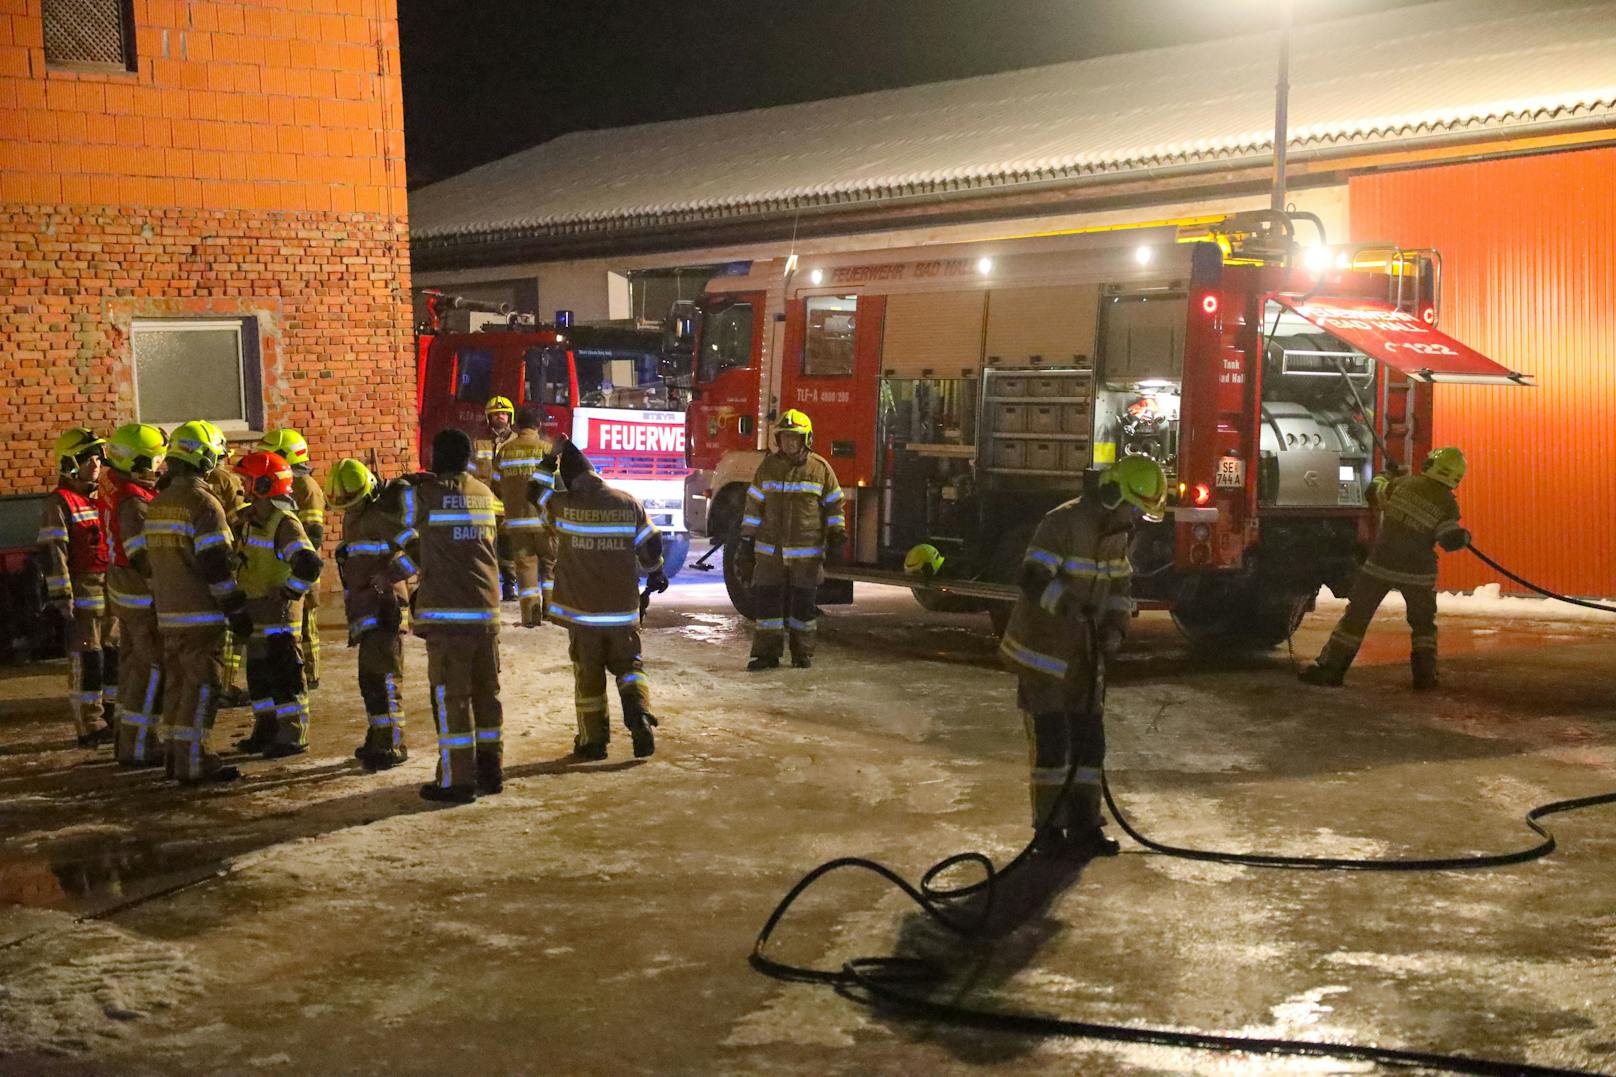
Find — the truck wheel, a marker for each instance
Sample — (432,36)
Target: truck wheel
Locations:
(1235,615)
(740,595)
(937,602)
(1005,567)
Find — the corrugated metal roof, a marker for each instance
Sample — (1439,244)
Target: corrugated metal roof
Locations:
(1388,78)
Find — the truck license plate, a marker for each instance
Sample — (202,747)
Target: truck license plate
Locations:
(1231,472)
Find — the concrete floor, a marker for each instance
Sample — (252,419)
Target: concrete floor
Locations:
(596,918)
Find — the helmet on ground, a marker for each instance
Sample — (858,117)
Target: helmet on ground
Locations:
(795,422)
(1446,466)
(136,447)
(497,405)
(73,446)
(1140,482)
(221,444)
(287,444)
(350,482)
(265,474)
(923,560)
(193,444)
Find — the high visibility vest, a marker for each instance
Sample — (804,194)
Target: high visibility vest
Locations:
(262,573)
(85,549)
(114,493)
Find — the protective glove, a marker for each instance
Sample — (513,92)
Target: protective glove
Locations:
(656,582)
(241,624)
(1057,600)
(745,558)
(1111,641)
(1455,540)
(836,551)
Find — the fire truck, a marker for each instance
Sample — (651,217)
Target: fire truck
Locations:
(962,391)
(606,387)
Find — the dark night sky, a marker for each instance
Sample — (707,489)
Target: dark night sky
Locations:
(485,78)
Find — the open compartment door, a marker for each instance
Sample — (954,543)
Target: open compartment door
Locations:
(1401,340)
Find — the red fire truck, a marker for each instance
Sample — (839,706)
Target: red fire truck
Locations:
(606,387)
(962,391)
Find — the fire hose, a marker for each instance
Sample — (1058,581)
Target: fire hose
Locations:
(878,981)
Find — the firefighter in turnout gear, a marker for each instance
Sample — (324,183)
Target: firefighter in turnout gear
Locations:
(1073,610)
(226,487)
(531,550)
(794,522)
(75,581)
(278,566)
(499,413)
(310,500)
(1417,513)
(604,544)
(134,455)
(375,570)
(449,524)
(187,546)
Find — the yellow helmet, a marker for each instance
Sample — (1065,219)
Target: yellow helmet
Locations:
(499,404)
(1140,482)
(73,444)
(287,444)
(794,422)
(136,447)
(221,444)
(1446,466)
(350,482)
(193,443)
(923,560)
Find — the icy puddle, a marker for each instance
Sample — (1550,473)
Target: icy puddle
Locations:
(93,877)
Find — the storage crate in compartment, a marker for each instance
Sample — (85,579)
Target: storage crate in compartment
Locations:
(1007,386)
(1044,418)
(1077,419)
(1044,455)
(1009,418)
(1056,386)
(1010,454)
(1075,456)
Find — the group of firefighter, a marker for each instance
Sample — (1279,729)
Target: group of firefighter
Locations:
(198,561)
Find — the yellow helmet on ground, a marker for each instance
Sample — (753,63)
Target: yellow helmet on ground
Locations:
(136,447)
(499,404)
(72,444)
(193,443)
(350,482)
(287,444)
(923,560)
(1140,482)
(1446,466)
(794,422)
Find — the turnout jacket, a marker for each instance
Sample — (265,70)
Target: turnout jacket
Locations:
(187,545)
(374,564)
(794,511)
(75,555)
(123,518)
(1416,512)
(449,526)
(516,462)
(1075,568)
(226,486)
(605,543)
(278,566)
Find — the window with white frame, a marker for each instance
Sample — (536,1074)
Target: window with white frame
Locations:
(198,369)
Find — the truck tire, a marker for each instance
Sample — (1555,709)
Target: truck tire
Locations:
(740,594)
(1237,615)
(937,602)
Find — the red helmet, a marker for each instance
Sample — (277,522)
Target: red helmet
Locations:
(266,474)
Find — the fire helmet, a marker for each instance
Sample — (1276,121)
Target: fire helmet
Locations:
(193,443)
(287,444)
(73,446)
(1446,465)
(795,422)
(350,483)
(1140,482)
(923,560)
(499,404)
(136,447)
(221,444)
(265,475)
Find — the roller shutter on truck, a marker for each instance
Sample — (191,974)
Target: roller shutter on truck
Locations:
(1052,326)
(935,334)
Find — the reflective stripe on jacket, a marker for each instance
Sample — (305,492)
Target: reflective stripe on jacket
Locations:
(1415,512)
(449,528)
(794,511)
(604,544)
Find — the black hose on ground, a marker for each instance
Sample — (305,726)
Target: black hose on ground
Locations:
(1544,591)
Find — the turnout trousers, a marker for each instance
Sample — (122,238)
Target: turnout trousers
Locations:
(92,658)
(381,683)
(140,687)
(463,671)
(534,564)
(783,594)
(235,658)
(310,637)
(1363,600)
(193,661)
(1065,722)
(275,683)
(595,652)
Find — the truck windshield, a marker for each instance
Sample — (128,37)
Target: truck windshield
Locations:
(726,340)
(473,376)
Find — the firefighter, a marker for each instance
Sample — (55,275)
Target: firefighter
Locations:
(70,540)
(226,487)
(794,522)
(134,455)
(498,413)
(279,565)
(375,571)
(529,546)
(191,566)
(290,446)
(449,524)
(604,544)
(1417,513)
(1072,612)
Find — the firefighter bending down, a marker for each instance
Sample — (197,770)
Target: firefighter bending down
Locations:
(279,567)
(375,569)
(1417,512)
(604,541)
(1072,613)
(529,547)
(76,559)
(449,524)
(794,523)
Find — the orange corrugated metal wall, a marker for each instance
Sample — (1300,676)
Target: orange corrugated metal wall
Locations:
(1530,250)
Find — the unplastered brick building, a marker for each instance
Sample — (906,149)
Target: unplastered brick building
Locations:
(202,215)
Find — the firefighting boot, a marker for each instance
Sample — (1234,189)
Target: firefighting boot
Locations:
(1323,676)
(801,661)
(1084,835)
(1423,665)
(587,750)
(261,737)
(490,772)
(449,794)
(213,769)
(639,730)
(95,737)
(761,663)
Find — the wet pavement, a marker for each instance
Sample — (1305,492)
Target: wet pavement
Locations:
(597,917)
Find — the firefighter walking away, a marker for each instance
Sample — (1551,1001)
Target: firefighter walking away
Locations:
(794,523)
(1417,514)
(1072,613)
(604,543)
